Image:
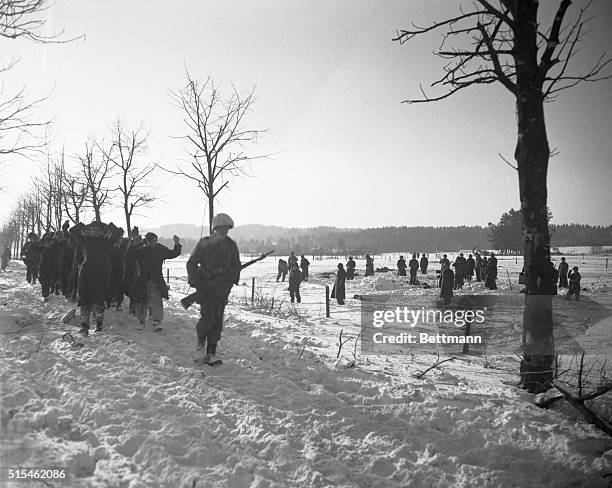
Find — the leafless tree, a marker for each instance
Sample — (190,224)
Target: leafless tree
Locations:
(96,172)
(18,126)
(74,193)
(216,135)
(124,153)
(504,42)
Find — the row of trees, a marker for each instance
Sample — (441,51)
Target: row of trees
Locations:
(83,185)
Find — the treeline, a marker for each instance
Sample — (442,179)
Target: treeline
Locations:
(257,238)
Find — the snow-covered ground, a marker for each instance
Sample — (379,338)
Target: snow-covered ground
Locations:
(130,408)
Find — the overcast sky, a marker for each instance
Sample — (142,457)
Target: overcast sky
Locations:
(330,81)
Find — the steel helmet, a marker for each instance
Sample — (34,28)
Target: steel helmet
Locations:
(222,220)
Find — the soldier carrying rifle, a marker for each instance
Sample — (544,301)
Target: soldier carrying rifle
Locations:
(215,257)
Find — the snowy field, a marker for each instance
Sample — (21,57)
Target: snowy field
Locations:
(130,408)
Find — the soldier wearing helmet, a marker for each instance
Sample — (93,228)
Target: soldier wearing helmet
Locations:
(212,257)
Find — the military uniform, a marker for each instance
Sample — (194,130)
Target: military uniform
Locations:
(213,256)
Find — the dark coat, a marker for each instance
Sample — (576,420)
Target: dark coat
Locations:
(401,266)
(295,278)
(30,253)
(150,260)
(350,269)
(339,289)
(424,264)
(369,271)
(214,256)
(447,284)
(413,264)
(471,266)
(95,269)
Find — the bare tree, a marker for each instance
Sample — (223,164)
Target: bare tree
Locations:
(216,136)
(18,128)
(133,186)
(504,43)
(74,193)
(96,171)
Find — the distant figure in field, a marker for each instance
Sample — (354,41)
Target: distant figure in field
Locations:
(460,267)
(30,255)
(339,289)
(555,276)
(282,269)
(350,268)
(483,272)
(413,264)
(574,284)
(304,263)
(6,257)
(291,260)
(491,273)
(369,271)
(444,263)
(447,283)
(470,265)
(424,264)
(401,266)
(295,279)
(478,267)
(563,269)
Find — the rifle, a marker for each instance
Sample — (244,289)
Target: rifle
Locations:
(197,295)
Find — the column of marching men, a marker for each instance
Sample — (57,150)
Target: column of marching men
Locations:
(96,265)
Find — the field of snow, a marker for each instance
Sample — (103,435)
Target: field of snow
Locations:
(130,409)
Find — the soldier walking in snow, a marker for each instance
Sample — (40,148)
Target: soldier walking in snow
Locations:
(447,283)
(369,271)
(401,266)
(491,273)
(339,290)
(483,271)
(31,258)
(424,264)
(214,257)
(444,263)
(413,264)
(6,257)
(350,268)
(470,265)
(304,264)
(283,268)
(48,273)
(295,279)
(130,269)
(291,260)
(574,284)
(97,240)
(478,267)
(563,269)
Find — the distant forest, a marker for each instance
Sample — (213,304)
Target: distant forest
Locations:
(256,238)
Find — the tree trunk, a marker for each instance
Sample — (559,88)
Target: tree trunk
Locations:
(532,153)
(211,209)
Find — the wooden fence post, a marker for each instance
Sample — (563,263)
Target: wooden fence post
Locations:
(253,289)
(327,301)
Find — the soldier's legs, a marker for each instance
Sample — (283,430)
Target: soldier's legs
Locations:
(156,305)
(292,295)
(99,315)
(211,322)
(297,296)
